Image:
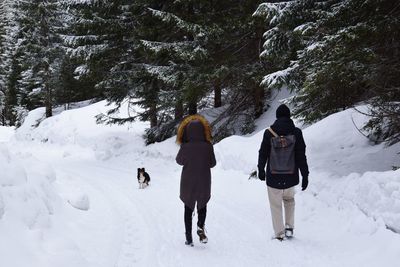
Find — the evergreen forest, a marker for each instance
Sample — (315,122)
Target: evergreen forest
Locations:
(174,58)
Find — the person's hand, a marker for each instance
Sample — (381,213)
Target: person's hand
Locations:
(304,183)
(261,175)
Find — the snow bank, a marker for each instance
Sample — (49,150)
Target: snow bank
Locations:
(376,194)
(76,130)
(335,144)
(6,133)
(30,210)
(12,173)
(25,132)
(239,153)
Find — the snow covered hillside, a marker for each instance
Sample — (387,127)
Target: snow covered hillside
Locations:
(69,197)
(6,133)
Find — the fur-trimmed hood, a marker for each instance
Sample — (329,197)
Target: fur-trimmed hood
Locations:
(185,123)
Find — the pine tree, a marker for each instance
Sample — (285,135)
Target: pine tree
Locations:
(338,77)
(237,66)
(345,52)
(310,39)
(196,47)
(99,37)
(170,56)
(3,62)
(383,42)
(39,51)
(69,89)
(173,49)
(8,64)
(159,64)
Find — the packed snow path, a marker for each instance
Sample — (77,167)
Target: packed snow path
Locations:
(126,226)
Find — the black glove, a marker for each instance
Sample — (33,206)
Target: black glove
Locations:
(261,175)
(304,183)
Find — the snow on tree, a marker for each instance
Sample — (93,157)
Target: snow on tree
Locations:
(202,54)
(40,51)
(101,41)
(8,64)
(334,54)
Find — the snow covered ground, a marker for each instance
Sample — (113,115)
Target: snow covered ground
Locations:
(69,197)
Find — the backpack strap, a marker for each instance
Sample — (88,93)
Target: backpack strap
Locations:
(273,132)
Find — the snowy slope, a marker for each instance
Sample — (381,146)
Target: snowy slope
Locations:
(6,133)
(267,118)
(100,217)
(76,131)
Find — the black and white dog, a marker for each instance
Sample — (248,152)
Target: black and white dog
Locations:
(143,178)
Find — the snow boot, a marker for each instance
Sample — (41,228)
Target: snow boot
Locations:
(202,235)
(289,233)
(189,239)
(189,243)
(279,238)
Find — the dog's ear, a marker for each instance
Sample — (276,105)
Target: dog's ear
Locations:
(138,169)
(143,170)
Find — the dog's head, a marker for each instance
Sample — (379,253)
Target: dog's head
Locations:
(140,171)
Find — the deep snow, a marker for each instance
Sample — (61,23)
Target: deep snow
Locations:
(69,197)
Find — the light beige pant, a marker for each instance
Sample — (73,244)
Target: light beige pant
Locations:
(276,197)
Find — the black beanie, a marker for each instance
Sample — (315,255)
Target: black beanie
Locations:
(282,112)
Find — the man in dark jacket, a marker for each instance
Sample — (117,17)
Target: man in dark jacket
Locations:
(281,187)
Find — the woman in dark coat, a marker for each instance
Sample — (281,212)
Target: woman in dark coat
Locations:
(196,155)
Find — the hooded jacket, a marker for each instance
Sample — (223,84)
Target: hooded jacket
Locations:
(283,126)
(196,155)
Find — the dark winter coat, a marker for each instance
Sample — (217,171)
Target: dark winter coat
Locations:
(196,155)
(283,126)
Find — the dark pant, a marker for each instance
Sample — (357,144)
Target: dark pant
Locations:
(202,213)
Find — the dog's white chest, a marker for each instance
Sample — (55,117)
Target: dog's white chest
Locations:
(141,178)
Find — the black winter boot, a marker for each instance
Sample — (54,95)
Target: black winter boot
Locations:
(189,239)
(202,235)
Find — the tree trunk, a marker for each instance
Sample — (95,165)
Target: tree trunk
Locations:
(258,92)
(178,110)
(48,102)
(153,105)
(153,115)
(3,117)
(48,92)
(217,95)
(258,101)
(192,107)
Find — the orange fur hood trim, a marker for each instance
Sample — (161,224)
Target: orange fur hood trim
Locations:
(187,120)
